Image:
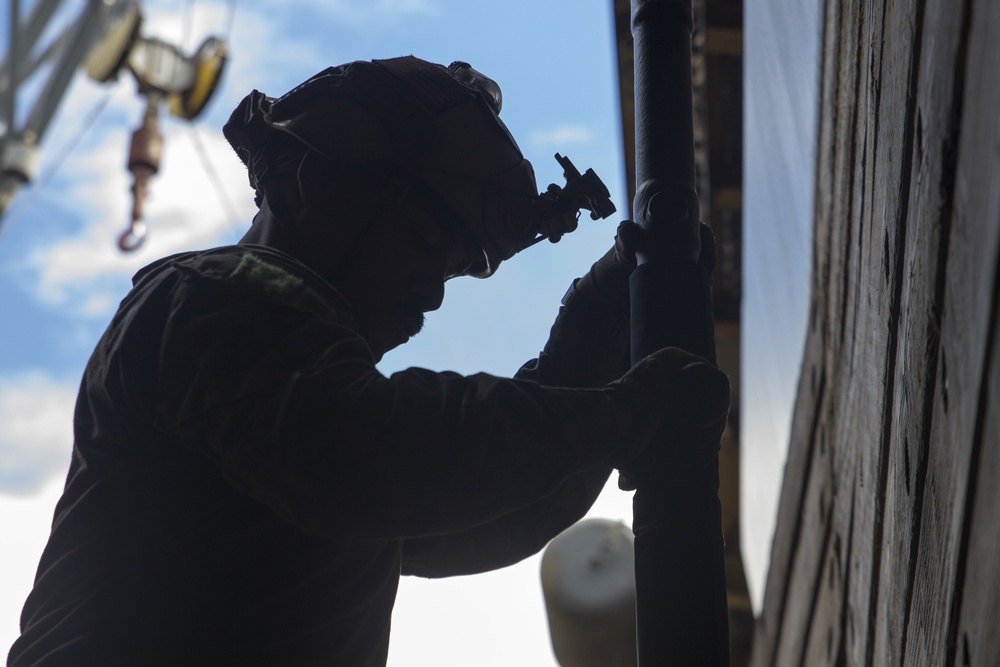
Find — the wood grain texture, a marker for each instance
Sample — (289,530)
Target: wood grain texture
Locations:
(973,631)
(886,547)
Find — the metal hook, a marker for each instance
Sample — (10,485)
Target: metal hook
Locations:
(143,161)
(133,236)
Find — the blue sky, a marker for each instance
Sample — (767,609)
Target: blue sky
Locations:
(61,275)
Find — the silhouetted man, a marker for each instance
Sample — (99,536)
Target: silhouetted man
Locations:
(246,487)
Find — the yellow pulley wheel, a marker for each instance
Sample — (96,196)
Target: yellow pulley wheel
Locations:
(209,61)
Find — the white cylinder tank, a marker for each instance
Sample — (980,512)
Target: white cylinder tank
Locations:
(588,580)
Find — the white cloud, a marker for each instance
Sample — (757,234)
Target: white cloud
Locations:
(36,430)
(561,136)
(25,520)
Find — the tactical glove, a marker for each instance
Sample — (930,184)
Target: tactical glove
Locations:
(690,399)
(588,345)
(606,284)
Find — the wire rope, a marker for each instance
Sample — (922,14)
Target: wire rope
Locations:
(206,162)
(229,209)
(187,18)
(230,19)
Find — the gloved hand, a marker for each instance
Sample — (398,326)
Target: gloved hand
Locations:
(588,344)
(606,284)
(691,398)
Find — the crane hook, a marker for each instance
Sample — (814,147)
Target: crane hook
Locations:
(145,152)
(133,236)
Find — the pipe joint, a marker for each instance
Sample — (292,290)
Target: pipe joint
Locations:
(668,214)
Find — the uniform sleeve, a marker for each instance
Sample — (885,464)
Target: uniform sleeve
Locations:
(286,398)
(508,539)
(588,344)
(587,347)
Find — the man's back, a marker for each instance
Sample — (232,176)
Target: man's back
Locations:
(176,557)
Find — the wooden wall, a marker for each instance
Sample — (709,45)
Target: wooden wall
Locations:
(887,548)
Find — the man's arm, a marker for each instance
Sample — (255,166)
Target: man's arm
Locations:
(588,346)
(288,402)
(508,539)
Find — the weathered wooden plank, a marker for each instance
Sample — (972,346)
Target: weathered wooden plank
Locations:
(871,268)
(918,339)
(968,336)
(973,634)
(972,638)
(973,641)
(857,336)
(828,631)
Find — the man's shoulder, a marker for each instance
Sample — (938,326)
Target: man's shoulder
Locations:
(264,273)
(233,262)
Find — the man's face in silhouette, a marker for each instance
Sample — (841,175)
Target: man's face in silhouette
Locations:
(397,270)
(386,244)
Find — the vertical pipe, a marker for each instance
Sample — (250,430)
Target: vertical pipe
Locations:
(681,609)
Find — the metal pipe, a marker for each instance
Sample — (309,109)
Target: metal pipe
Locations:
(79,38)
(681,610)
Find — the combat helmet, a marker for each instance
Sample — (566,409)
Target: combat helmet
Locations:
(438,125)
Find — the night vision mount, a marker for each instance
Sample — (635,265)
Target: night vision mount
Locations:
(559,207)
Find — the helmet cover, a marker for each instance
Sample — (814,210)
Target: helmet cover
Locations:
(439,126)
